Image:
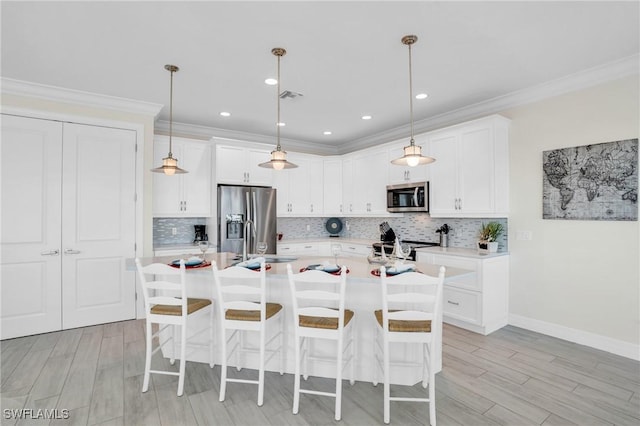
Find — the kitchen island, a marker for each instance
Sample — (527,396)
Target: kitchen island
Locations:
(363,297)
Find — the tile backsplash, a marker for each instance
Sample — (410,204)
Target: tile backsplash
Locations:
(411,226)
(185,233)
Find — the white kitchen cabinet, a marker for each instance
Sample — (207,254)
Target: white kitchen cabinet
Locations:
(68,224)
(477,302)
(238,165)
(406,174)
(353,249)
(471,173)
(183,195)
(369,181)
(300,249)
(332,191)
(300,190)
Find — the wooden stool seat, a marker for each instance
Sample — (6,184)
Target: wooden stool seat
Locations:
(404,326)
(252,315)
(327,323)
(193,305)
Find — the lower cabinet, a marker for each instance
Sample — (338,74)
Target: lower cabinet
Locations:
(478,302)
(324,248)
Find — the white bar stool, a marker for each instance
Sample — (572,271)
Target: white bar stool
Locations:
(241,295)
(312,293)
(172,308)
(411,305)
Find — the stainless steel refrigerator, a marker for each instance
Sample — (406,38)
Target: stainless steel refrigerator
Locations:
(237,205)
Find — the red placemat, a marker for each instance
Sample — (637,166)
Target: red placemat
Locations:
(199,265)
(332,273)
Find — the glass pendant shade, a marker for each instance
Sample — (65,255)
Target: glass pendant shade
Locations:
(412,153)
(412,157)
(169,164)
(278,161)
(278,156)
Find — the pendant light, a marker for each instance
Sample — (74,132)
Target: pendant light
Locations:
(169,164)
(278,156)
(412,152)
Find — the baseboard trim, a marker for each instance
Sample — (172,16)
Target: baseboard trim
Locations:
(597,341)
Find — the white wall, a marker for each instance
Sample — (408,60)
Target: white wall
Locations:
(577,280)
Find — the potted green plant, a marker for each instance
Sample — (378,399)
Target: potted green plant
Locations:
(489,234)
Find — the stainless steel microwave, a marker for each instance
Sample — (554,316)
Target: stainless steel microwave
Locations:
(408,197)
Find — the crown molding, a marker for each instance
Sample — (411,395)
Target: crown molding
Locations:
(205,132)
(577,81)
(77,97)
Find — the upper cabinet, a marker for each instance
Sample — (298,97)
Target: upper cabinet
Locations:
(406,174)
(238,165)
(470,177)
(300,190)
(368,181)
(184,195)
(332,190)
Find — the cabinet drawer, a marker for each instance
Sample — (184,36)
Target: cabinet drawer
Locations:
(463,305)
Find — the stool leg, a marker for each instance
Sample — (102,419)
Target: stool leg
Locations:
(172,360)
(387,388)
(183,361)
(261,366)
(147,362)
(282,344)
(339,365)
(211,341)
(296,376)
(353,356)
(223,363)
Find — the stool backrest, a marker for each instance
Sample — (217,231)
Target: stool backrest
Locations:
(240,288)
(411,296)
(318,294)
(170,281)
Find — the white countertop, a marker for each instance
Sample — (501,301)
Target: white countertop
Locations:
(463,252)
(337,240)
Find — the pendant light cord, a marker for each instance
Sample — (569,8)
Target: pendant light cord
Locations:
(171,111)
(278,96)
(412,142)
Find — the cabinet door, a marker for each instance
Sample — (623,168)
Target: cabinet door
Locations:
(196,185)
(259,175)
(332,191)
(31,215)
(299,197)
(443,187)
(476,171)
(167,190)
(376,188)
(315,187)
(281,183)
(347,186)
(230,165)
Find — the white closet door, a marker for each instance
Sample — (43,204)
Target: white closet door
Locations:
(98,219)
(31,194)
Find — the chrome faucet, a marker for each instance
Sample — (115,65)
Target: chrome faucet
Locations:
(248,223)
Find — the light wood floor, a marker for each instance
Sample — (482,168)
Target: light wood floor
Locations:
(511,377)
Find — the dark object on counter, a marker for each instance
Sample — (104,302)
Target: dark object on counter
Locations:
(444,235)
(386,233)
(334,226)
(200,231)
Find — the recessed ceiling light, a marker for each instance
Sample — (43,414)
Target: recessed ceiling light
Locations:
(421,96)
(271,81)
(225,114)
(326,132)
(366,117)
(281,124)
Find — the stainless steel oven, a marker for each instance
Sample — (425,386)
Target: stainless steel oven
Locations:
(408,197)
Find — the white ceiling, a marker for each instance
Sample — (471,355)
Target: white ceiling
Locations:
(346,58)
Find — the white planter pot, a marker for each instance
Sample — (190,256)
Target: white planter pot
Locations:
(489,247)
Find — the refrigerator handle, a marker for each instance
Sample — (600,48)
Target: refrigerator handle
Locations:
(253,209)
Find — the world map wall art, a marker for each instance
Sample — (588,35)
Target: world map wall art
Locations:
(591,182)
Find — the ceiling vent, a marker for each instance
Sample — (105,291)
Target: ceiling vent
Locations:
(289,94)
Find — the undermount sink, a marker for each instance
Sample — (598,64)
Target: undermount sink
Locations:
(282,259)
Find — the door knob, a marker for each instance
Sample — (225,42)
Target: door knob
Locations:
(53,252)
(71,251)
